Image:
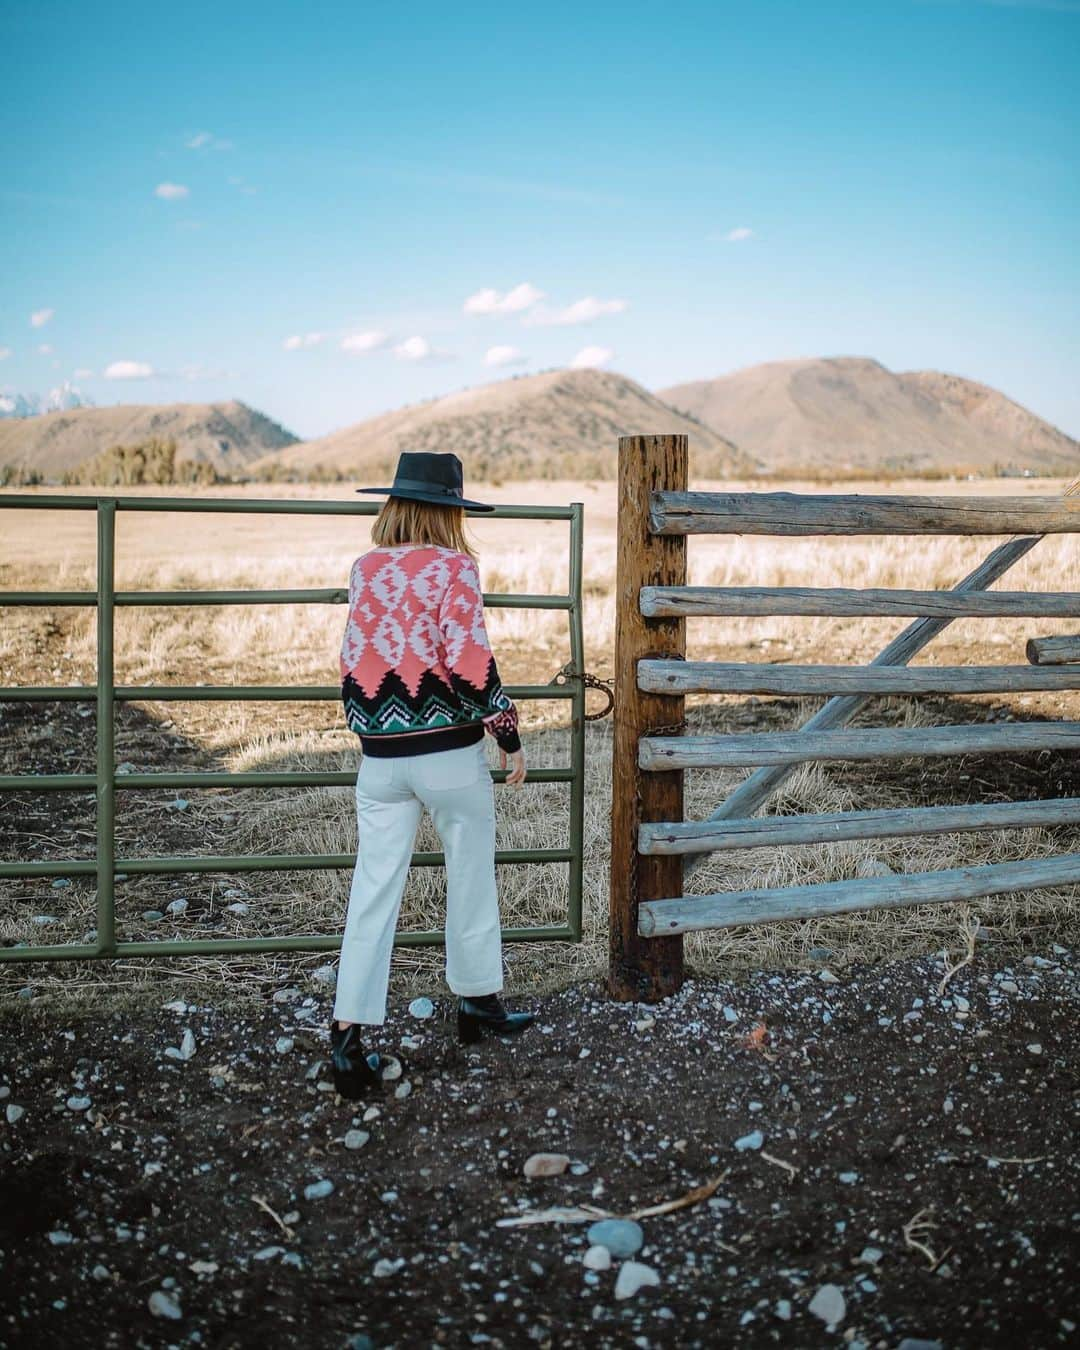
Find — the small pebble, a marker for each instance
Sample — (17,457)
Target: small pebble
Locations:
(753,1140)
(622,1237)
(355,1139)
(14,1113)
(597,1258)
(319,1190)
(78,1103)
(546,1165)
(633,1276)
(422,1007)
(284,1044)
(828,1304)
(162,1304)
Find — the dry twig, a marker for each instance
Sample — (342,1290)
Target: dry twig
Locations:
(922,1225)
(289,1233)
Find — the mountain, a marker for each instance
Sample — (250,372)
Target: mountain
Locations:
(559,424)
(30,405)
(849,414)
(227,436)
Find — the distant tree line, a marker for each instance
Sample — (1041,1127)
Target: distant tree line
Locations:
(153,461)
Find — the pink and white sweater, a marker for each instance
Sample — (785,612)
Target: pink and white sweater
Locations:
(417,670)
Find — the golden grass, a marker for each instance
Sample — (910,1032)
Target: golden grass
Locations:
(298,644)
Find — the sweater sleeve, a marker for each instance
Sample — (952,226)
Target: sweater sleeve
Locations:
(468,657)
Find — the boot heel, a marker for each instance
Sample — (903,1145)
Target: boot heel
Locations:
(468,1028)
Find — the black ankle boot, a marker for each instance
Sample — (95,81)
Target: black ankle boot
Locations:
(356,1074)
(485,1012)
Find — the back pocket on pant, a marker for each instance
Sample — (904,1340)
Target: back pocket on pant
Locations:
(458,768)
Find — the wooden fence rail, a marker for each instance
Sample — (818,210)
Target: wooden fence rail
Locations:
(650,841)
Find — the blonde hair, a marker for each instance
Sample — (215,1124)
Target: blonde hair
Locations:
(402,521)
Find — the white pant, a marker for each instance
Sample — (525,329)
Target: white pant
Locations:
(456,787)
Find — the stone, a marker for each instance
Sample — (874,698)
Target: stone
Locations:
(546,1165)
(162,1304)
(267,1252)
(403,1089)
(873,867)
(152,915)
(384,1268)
(319,1190)
(325,975)
(239,909)
(633,1276)
(61,883)
(827,977)
(753,1140)
(622,1237)
(178,906)
(391,1069)
(78,1103)
(14,1113)
(828,1304)
(60,1237)
(597,1257)
(284,1044)
(422,1007)
(355,1139)
(870,1256)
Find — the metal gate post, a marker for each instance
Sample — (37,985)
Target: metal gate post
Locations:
(106,731)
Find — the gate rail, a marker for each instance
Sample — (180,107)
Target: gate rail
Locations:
(649,911)
(106,781)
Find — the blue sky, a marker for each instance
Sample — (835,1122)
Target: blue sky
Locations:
(209,201)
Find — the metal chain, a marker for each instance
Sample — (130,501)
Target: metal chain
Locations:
(591,681)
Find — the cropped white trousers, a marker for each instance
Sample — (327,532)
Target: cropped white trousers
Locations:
(391,794)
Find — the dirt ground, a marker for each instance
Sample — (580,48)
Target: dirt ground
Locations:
(917,1151)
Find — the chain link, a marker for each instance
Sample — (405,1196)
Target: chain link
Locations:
(606,687)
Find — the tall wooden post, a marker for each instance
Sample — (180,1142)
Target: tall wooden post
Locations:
(644,969)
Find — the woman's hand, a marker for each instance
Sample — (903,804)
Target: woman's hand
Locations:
(516,776)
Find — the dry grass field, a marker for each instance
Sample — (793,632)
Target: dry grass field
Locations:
(299,644)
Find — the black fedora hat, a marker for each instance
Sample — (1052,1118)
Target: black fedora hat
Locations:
(423,476)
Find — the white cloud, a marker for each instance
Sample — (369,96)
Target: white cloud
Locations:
(591,356)
(45,349)
(504,356)
(82,373)
(40,317)
(299,340)
(738,234)
(414,349)
(203,140)
(128,370)
(515,301)
(581,311)
(170,191)
(5,352)
(364,342)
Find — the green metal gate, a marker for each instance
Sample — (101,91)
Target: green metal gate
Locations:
(106,782)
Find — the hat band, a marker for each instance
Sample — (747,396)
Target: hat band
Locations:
(425,485)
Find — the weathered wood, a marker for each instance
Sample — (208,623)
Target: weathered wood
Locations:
(689,913)
(692,836)
(838,602)
(1053,651)
(720,677)
(638,970)
(664,753)
(762,783)
(788,513)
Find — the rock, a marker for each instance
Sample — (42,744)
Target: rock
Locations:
(61,883)
(60,1237)
(597,1257)
(176,1006)
(782,1308)
(319,1190)
(753,1140)
(239,909)
(359,1340)
(1008,986)
(5,1091)
(1034,1048)
(870,1256)
(325,975)
(391,1069)
(873,867)
(355,1139)
(828,1304)
(78,1103)
(100,1272)
(289,995)
(644,1023)
(162,1304)
(403,1089)
(284,1044)
(383,1268)
(178,804)
(848,1178)
(827,977)
(14,1113)
(42,919)
(633,1276)
(178,906)
(422,1007)
(546,1165)
(186,1049)
(622,1237)
(267,1252)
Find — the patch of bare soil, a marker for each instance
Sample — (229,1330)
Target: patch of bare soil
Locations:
(901,1141)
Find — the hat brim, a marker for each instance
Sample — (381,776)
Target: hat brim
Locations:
(436,499)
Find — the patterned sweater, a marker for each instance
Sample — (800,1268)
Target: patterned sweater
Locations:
(415,655)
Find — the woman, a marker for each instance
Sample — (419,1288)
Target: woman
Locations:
(420,686)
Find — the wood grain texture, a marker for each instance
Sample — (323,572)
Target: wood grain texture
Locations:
(662,753)
(720,677)
(792,513)
(839,602)
(639,970)
(690,913)
(1053,651)
(692,836)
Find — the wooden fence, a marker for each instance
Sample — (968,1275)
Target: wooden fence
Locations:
(653,847)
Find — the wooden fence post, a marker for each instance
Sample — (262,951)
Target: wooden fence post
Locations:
(644,969)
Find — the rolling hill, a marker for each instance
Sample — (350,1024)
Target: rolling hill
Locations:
(849,414)
(559,424)
(227,435)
